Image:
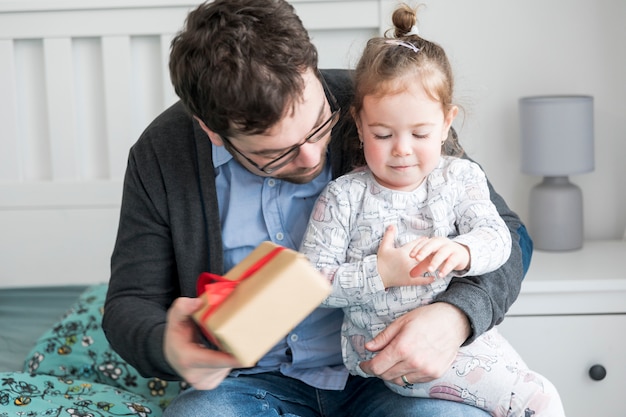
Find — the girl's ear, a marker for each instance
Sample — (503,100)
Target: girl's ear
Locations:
(449,118)
(213,137)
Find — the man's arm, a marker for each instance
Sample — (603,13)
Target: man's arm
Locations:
(140,288)
(485,299)
(162,245)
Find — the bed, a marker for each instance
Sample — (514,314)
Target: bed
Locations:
(79,80)
(56,359)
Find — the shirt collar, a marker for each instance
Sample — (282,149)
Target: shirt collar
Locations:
(220,156)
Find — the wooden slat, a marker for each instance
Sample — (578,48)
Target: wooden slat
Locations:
(61,107)
(327,15)
(39,195)
(316,15)
(57,247)
(47,5)
(57,232)
(32,111)
(116,61)
(9,156)
(90,109)
(81,23)
(169,95)
(147,86)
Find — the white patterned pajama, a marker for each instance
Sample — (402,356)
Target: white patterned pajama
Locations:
(342,238)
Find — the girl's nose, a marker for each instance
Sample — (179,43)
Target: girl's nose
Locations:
(402,147)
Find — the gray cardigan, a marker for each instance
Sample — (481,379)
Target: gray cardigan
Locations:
(169,232)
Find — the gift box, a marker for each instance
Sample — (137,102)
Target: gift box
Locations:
(248,310)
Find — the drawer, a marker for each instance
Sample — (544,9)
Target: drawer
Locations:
(564,348)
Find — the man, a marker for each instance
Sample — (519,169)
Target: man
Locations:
(241,159)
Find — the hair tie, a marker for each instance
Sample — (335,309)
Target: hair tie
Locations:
(403,43)
(414,31)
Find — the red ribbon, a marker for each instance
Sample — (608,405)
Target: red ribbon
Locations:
(218,288)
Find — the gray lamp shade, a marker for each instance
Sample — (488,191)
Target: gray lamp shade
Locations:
(556,135)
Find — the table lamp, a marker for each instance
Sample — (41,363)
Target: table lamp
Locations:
(557,141)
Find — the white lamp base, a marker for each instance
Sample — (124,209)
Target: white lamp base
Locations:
(556,215)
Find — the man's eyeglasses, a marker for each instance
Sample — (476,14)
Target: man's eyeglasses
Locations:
(291,154)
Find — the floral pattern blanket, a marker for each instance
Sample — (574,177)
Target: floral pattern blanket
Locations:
(73,372)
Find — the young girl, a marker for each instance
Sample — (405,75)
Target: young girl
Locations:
(391,236)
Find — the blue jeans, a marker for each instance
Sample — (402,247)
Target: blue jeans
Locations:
(272,394)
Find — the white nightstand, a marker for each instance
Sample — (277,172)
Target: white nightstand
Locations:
(570,318)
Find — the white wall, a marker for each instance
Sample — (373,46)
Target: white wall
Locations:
(503,50)
(500,50)
(79,81)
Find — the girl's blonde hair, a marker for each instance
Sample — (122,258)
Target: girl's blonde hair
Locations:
(389,64)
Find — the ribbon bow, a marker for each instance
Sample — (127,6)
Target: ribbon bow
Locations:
(218,288)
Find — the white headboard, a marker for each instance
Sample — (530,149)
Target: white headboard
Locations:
(79,81)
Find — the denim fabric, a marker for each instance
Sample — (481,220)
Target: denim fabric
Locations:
(272,394)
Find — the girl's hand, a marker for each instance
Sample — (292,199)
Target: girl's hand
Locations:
(395,264)
(439,256)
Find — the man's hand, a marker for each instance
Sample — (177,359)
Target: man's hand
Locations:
(201,367)
(421,345)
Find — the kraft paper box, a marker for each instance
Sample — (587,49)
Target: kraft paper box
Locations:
(266,306)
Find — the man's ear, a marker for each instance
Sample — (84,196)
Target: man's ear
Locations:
(357,123)
(213,137)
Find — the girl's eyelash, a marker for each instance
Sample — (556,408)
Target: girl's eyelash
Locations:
(382,136)
(388,136)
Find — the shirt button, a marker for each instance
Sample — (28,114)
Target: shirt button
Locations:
(271,182)
(280,236)
(294,337)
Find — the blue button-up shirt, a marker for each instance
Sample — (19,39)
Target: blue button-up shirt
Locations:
(278,211)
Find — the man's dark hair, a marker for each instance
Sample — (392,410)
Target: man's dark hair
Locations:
(238,64)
